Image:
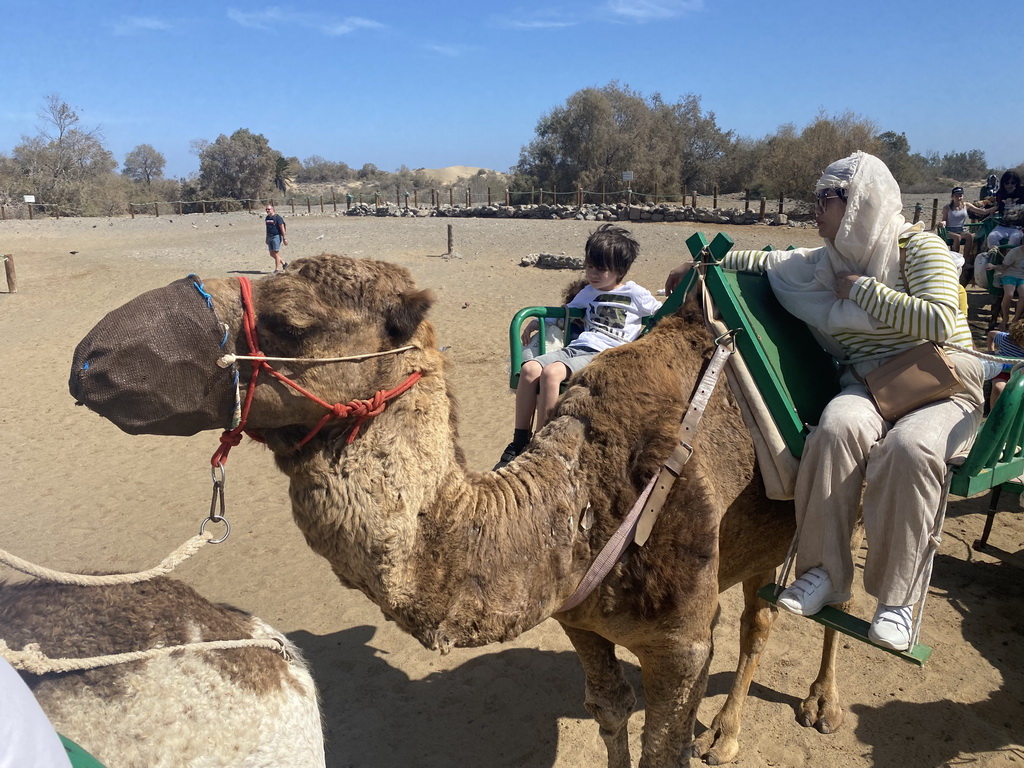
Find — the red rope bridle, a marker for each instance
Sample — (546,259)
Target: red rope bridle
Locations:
(361,410)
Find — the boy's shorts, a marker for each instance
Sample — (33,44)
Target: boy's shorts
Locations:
(571,357)
(1013,280)
(274,242)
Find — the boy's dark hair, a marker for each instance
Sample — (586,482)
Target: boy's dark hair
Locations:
(611,247)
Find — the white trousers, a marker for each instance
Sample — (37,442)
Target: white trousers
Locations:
(900,468)
(1000,233)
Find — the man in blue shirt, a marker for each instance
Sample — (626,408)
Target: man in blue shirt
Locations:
(275,238)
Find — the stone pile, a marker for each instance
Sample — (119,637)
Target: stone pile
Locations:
(588,212)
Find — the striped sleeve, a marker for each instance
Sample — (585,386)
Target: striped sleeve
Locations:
(747,260)
(931,309)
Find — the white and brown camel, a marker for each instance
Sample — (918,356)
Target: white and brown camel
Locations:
(249,707)
(459,558)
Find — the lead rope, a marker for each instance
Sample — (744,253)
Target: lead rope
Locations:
(31,659)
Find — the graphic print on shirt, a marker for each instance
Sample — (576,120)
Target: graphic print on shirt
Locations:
(608,315)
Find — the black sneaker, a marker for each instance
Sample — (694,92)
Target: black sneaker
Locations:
(507,456)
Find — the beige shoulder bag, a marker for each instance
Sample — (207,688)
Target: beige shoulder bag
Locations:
(913,378)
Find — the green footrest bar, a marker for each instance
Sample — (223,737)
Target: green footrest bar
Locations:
(856,628)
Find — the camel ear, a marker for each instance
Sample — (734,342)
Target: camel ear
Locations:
(404,317)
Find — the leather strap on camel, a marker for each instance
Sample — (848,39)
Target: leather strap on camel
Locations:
(640,519)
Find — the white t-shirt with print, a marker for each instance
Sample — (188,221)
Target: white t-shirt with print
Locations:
(612,317)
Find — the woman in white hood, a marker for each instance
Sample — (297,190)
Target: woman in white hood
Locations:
(852,292)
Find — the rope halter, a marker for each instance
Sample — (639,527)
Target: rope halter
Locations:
(360,410)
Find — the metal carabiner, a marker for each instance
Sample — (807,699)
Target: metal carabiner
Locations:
(217,502)
(731,333)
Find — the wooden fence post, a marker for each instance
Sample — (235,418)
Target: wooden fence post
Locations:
(451,240)
(30,211)
(917,213)
(156,206)
(746,200)
(694,198)
(12,278)
(131,210)
(780,202)
(204,207)
(714,196)
(334,201)
(935,212)
(489,196)
(508,200)
(293,206)
(3,213)
(451,197)
(179,207)
(321,203)
(764,202)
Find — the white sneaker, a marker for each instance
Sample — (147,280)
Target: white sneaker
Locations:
(810,593)
(891,626)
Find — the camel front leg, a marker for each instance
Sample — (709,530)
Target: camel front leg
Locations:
(719,744)
(609,696)
(675,680)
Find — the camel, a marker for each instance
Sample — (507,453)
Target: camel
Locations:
(247,707)
(460,558)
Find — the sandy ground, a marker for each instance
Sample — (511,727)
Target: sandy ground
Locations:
(79,494)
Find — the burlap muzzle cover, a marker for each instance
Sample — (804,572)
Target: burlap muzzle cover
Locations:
(150,366)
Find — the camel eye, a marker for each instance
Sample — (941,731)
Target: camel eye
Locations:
(284,327)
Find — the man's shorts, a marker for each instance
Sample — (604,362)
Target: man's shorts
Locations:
(274,242)
(571,357)
(1013,280)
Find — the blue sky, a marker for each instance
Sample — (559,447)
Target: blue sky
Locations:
(432,84)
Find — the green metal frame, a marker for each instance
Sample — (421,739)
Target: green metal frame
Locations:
(79,757)
(856,628)
(515,342)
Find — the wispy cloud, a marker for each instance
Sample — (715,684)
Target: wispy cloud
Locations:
(652,10)
(451,51)
(265,19)
(350,24)
(545,19)
(130,25)
(274,16)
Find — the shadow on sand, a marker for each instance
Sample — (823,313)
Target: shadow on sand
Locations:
(500,709)
(988,596)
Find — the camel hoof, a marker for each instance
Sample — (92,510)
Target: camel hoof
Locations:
(714,749)
(821,715)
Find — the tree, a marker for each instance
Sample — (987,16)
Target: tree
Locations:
(143,165)
(241,166)
(284,173)
(894,151)
(601,132)
(64,160)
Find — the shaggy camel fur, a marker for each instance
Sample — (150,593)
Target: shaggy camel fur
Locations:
(242,708)
(459,558)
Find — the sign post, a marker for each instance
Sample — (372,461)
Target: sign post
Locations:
(627,176)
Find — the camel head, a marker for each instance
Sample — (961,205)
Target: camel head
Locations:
(157,365)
